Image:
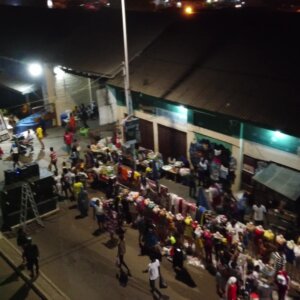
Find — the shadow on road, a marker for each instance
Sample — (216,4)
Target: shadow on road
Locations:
(184,276)
(13,277)
(21,293)
(111,244)
(122,277)
(9,279)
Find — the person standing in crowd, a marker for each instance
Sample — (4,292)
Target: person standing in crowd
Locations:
(15,155)
(208,246)
(72,123)
(154,272)
(259,213)
(68,138)
(231,289)
(58,185)
(53,159)
(203,171)
(99,214)
(121,253)
(83,203)
(192,184)
(43,125)
(112,221)
(40,136)
(77,187)
(22,238)
(89,157)
(241,205)
(84,116)
(1,153)
(66,181)
(278,259)
(31,256)
(74,156)
(29,140)
(282,281)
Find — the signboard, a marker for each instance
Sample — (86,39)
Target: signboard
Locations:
(3,130)
(132,130)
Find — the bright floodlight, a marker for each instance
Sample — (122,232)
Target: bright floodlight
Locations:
(35,69)
(50,3)
(188,10)
(58,72)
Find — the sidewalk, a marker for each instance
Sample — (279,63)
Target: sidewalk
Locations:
(12,286)
(42,286)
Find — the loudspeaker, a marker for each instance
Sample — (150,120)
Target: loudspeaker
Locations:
(33,169)
(13,218)
(11,195)
(9,176)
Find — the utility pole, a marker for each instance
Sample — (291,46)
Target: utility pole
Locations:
(126,65)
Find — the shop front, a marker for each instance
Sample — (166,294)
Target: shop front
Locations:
(278,188)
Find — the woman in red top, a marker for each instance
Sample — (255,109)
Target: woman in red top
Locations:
(72,123)
(68,138)
(231,289)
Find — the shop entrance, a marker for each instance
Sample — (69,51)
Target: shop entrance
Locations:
(147,135)
(172,142)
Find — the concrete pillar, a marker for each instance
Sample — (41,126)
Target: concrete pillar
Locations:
(49,86)
(190,136)
(155,135)
(236,153)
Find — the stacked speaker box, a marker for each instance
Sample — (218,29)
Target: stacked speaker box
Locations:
(43,190)
(22,173)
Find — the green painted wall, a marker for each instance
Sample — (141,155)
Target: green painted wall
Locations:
(214,121)
(270,138)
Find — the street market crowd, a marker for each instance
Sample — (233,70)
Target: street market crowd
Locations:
(247,260)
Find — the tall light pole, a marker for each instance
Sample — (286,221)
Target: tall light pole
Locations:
(126,65)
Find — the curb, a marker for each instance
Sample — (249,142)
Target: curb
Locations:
(42,286)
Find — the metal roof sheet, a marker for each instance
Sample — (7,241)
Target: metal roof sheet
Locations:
(282,180)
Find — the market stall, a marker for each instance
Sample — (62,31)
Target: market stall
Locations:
(278,189)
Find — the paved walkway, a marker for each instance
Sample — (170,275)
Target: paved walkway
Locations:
(12,286)
(82,264)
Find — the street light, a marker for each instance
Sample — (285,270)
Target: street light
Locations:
(35,69)
(126,66)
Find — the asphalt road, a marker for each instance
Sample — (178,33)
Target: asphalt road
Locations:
(13,287)
(83,265)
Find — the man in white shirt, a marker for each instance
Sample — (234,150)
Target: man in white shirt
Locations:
(259,213)
(154,273)
(99,213)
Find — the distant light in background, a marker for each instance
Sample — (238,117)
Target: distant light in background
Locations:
(179,4)
(188,10)
(35,69)
(182,113)
(277,136)
(58,72)
(50,3)
(182,109)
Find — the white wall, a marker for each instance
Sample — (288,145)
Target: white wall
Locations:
(66,90)
(190,131)
(270,154)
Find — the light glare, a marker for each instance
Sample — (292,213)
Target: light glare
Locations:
(188,10)
(35,69)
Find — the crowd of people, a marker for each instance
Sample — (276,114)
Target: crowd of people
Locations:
(244,259)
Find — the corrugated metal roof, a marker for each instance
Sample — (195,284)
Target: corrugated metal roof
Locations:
(243,68)
(17,85)
(242,64)
(282,180)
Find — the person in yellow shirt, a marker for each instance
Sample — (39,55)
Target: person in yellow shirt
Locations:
(40,136)
(77,187)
